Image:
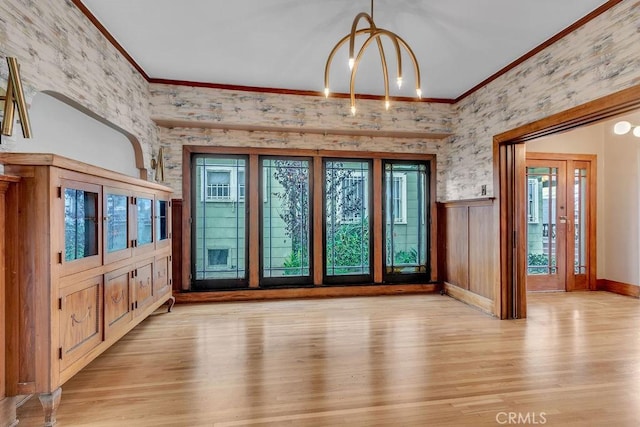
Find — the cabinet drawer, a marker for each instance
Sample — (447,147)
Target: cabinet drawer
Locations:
(80,319)
(117,299)
(161,283)
(143,284)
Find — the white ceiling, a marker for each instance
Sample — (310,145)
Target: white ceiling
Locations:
(285,43)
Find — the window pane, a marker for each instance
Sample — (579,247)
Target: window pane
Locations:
(542,183)
(145,221)
(406,226)
(347,237)
(117,217)
(219,220)
(80,224)
(580,223)
(286,218)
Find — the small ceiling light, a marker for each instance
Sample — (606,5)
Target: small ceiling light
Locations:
(621,128)
(374,34)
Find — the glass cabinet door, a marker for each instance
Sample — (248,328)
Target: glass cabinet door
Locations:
(82,228)
(162,223)
(116,232)
(144,221)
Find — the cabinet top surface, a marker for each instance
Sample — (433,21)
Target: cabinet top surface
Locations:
(54,160)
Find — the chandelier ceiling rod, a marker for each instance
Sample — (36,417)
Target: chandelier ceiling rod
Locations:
(376,34)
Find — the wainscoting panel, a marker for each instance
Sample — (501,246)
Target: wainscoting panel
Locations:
(468,247)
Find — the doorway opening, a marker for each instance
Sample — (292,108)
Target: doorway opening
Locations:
(510,188)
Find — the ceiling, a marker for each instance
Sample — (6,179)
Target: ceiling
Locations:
(284,44)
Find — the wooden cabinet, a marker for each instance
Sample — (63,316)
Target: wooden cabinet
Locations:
(88,257)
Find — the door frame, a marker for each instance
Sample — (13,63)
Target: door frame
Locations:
(592,212)
(510,215)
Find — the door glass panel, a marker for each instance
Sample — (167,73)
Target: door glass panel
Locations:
(579,218)
(347,236)
(406,225)
(80,224)
(286,217)
(144,221)
(542,183)
(117,226)
(219,223)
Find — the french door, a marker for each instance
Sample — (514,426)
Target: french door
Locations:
(560,226)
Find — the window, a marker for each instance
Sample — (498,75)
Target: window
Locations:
(286,221)
(532,201)
(223,184)
(218,258)
(347,226)
(219,229)
(406,231)
(309,218)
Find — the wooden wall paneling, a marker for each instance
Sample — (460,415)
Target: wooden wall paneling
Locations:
(481,244)
(176,244)
(457,246)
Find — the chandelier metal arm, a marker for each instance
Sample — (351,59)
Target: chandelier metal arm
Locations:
(416,69)
(354,27)
(327,67)
(377,36)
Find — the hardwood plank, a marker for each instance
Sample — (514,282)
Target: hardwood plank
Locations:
(403,360)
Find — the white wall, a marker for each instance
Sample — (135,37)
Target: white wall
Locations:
(61,129)
(622,228)
(618,194)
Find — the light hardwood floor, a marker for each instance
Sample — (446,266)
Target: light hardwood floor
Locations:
(401,360)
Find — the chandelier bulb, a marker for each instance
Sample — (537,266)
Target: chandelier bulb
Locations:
(399,82)
(387,104)
(636,131)
(353,110)
(351,63)
(419,92)
(326,92)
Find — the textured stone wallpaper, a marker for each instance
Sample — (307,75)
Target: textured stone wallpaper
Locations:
(60,50)
(290,111)
(600,58)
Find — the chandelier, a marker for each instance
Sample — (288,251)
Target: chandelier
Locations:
(374,34)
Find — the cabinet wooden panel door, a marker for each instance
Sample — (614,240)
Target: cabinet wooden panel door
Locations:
(118,310)
(143,288)
(161,281)
(118,213)
(80,319)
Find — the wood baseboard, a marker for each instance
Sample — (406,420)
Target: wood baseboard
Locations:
(618,288)
(315,292)
(468,297)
